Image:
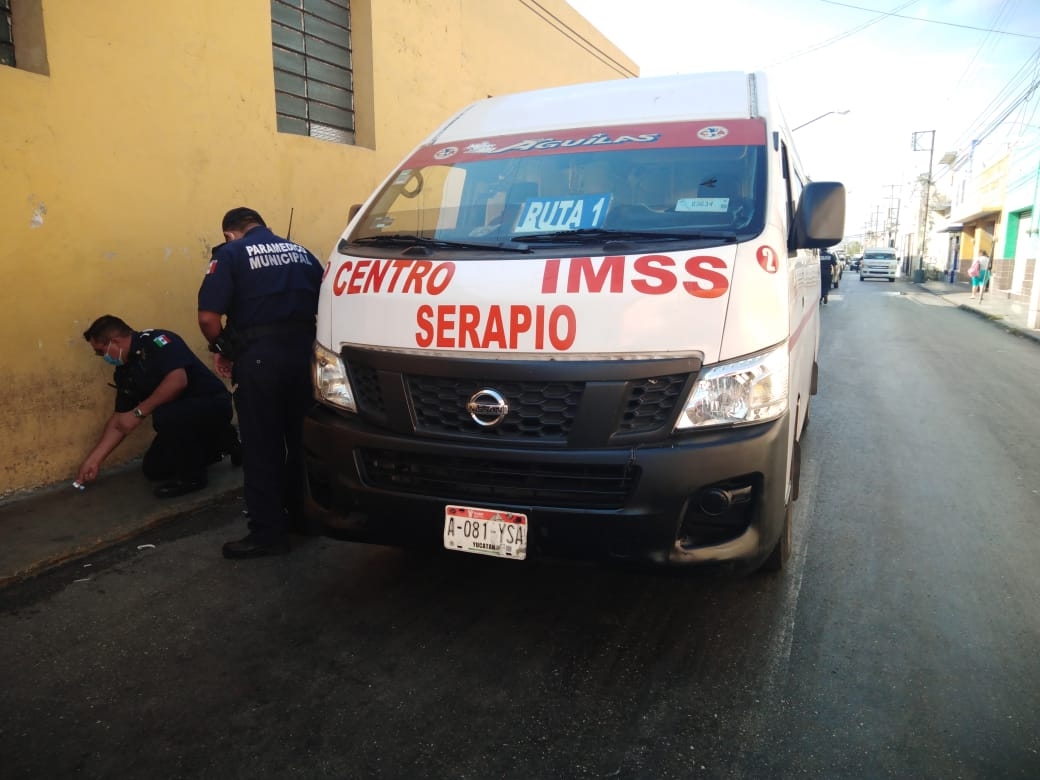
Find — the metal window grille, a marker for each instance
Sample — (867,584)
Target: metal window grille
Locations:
(313,68)
(6,36)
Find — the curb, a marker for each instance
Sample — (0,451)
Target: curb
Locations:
(1000,320)
(119,534)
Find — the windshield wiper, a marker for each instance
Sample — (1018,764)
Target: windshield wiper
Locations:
(585,235)
(397,239)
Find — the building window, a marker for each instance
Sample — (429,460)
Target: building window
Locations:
(313,69)
(6,37)
(21,34)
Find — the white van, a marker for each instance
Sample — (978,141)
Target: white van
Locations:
(879,263)
(578,322)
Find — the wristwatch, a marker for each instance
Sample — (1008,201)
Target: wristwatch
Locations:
(139,414)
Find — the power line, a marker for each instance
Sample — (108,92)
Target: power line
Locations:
(554,21)
(987,130)
(932,21)
(981,46)
(842,36)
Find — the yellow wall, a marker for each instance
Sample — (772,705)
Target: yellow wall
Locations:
(152,119)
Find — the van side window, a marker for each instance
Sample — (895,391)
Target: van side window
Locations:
(795,185)
(786,165)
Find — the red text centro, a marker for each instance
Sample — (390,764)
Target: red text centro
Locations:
(515,327)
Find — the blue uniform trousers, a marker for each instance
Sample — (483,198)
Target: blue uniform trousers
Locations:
(188,433)
(274,392)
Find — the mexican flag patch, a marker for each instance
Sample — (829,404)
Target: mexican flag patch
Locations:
(161,341)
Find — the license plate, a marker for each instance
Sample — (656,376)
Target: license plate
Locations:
(486,531)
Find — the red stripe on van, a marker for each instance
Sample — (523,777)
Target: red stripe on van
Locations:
(801,327)
(656,135)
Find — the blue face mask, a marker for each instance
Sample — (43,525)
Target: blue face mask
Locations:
(114,361)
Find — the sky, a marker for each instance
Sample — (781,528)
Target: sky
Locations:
(960,68)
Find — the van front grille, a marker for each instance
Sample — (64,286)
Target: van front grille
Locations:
(489,480)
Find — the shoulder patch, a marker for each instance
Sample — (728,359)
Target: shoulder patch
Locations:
(161,341)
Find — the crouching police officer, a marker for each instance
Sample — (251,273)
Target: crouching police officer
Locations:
(267,289)
(158,376)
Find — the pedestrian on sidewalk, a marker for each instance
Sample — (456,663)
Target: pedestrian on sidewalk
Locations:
(257,308)
(158,376)
(979,273)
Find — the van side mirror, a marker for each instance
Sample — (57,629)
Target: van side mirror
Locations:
(819,221)
(353,211)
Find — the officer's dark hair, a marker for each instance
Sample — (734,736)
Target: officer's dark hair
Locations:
(241,218)
(105,327)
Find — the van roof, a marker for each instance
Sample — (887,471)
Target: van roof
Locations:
(695,96)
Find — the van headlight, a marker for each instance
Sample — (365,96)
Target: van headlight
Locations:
(748,390)
(331,385)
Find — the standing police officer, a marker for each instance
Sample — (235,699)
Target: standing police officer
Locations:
(828,267)
(267,288)
(158,376)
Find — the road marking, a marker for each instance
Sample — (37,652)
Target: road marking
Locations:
(926,299)
(802,517)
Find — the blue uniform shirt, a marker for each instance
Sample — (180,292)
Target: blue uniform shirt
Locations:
(154,354)
(827,265)
(261,279)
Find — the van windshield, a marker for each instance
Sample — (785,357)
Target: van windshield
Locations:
(662,184)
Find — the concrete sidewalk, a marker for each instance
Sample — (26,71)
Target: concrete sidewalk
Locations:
(51,526)
(996,306)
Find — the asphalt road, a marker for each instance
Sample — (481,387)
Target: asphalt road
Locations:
(901,642)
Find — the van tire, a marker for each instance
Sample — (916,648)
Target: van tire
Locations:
(781,552)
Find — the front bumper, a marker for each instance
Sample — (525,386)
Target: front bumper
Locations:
(648,503)
(877,273)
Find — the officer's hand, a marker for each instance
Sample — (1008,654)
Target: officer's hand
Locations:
(88,471)
(223,365)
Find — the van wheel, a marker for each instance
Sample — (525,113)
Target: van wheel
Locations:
(782,551)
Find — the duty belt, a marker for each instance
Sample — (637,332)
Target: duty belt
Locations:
(277,328)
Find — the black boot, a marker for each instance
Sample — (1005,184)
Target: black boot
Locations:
(230,445)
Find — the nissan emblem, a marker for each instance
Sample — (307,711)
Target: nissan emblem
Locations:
(487,407)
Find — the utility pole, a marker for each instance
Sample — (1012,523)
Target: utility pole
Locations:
(927,194)
(892,223)
(1033,312)
(895,223)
